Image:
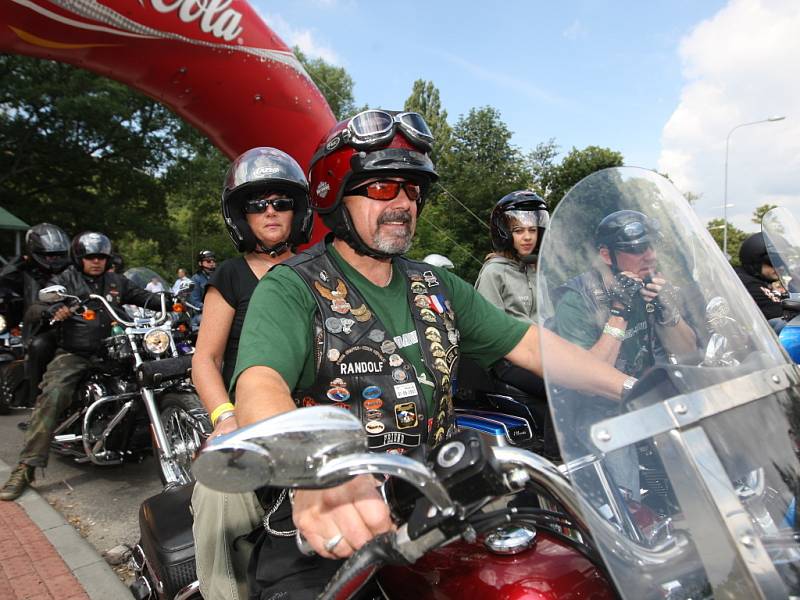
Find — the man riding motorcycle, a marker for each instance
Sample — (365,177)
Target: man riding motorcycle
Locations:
(46,254)
(79,335)
(352,323)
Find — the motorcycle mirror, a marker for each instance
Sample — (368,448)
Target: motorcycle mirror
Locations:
(284,451)
(53,293)
(184,287)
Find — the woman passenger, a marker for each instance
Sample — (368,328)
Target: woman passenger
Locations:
(266,210)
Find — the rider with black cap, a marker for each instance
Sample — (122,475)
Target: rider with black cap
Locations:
(758,276)
(78,338)
(46,254)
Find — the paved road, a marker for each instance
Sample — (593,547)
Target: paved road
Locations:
(102,502)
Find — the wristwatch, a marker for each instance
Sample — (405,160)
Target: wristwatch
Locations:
(627,385)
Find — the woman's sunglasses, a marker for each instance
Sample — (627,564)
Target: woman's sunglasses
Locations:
(387,189)
(259,205)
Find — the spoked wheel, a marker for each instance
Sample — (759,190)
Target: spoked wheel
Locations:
(186,425)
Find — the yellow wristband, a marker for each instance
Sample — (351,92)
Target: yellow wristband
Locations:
(215,414)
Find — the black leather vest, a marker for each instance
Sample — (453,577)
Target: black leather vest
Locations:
(359,366)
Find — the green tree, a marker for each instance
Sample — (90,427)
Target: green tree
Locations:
(334,83)
(483,167)
(575,166)
(82,151)
(716,228)
(425,100)
(542,164)
(760,211)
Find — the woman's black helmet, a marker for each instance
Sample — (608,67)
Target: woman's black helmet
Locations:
(257,171)
(753,254)
(48,245)
(89,243)
(523,206)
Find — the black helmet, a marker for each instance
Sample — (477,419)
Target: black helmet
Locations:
(627,230)
(257,171)
(753,254)
(521,205)
(48,245)
(89,243)
(117,262)
(206,255)
(369,144)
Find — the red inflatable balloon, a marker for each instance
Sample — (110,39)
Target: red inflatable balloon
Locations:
(213,62)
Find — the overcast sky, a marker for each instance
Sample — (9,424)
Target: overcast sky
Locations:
(663,82)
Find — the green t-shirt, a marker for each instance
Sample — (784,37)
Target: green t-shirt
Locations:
(278,328)
(577,323)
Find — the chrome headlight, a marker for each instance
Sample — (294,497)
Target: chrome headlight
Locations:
(3,324)
(156,341)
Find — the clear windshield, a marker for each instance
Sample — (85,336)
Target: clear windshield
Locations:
(689,483)
(782,239)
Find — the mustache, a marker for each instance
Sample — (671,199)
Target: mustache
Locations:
(395,216)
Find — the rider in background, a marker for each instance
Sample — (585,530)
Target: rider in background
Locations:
(206,263)
(79,336)
(758,276)
(46,254)
(266,210)
(508,280)
(624,312)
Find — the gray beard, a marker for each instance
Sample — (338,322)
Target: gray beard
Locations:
(395,244)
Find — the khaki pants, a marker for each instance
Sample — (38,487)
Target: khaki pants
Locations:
(221,553)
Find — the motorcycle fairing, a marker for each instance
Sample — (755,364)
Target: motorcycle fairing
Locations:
(704,445)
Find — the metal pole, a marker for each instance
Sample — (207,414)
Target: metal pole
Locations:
(725,196)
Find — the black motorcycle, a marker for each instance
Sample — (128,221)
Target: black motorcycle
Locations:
(137,397)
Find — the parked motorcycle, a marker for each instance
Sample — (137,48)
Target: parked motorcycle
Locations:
(782,238)
(137,399)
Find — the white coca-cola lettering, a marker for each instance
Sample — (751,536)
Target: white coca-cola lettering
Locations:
(215,16)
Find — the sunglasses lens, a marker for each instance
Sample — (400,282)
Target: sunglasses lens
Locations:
(412,191)
(371,122)
(383,190)
(255,206)
(282,204)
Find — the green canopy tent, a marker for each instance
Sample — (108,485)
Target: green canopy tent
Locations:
(15,224)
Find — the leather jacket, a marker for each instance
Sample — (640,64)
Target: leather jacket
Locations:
(83,336)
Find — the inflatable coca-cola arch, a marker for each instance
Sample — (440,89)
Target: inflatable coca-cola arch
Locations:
(213,62)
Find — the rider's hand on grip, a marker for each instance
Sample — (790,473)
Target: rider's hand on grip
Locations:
(60,314)
(354,510)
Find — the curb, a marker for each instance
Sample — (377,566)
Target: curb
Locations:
(90,569)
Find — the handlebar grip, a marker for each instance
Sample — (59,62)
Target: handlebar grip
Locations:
(361,566)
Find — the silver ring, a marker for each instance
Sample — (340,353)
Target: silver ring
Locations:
(333,542)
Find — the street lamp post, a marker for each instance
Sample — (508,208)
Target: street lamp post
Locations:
(725,201)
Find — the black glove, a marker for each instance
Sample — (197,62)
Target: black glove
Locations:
(624,291)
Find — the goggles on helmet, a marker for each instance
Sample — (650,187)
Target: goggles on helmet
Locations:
(387,189)
(636,237)
(372,129)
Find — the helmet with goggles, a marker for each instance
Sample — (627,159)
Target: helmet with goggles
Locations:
(48,246)
(523,208)
(628,231)
(370,145)
(258,173)
(90,243)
